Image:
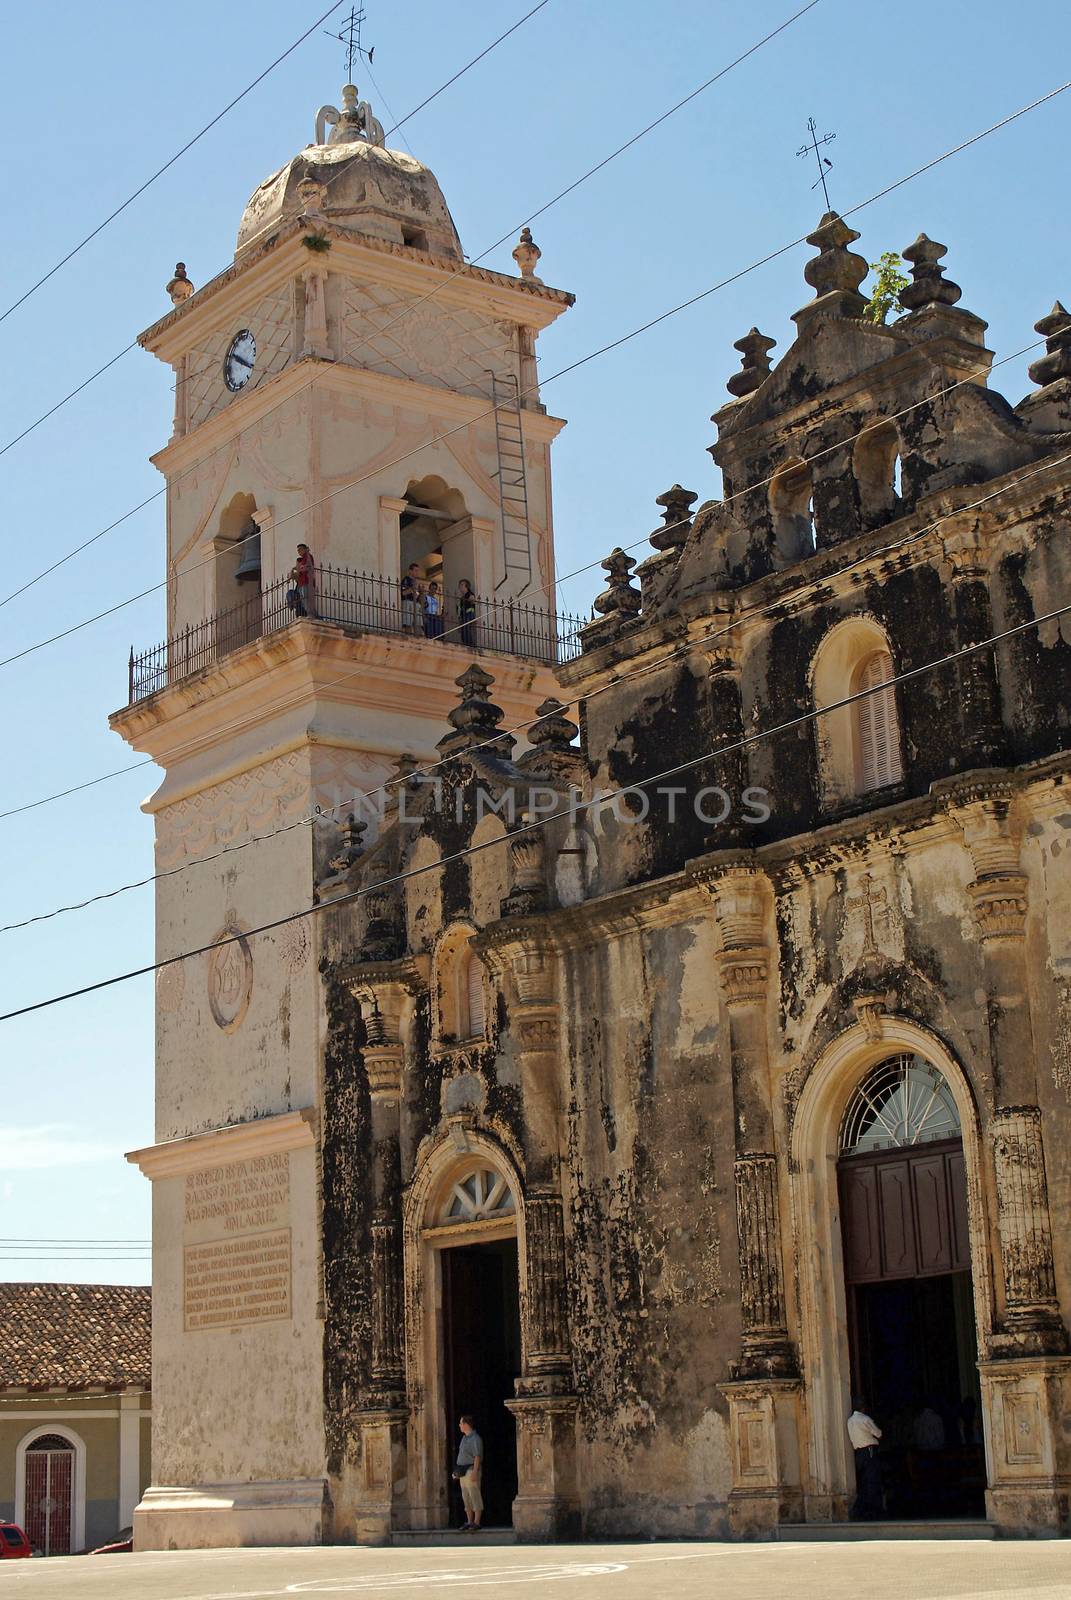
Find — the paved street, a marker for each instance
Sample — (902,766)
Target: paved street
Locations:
(889,1570)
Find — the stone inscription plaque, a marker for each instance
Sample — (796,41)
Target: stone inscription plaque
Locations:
(237,1254)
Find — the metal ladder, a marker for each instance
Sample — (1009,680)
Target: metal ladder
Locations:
(512,482)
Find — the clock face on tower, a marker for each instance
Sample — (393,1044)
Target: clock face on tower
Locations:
(238,362)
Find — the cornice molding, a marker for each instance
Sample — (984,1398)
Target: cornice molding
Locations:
(289,1130)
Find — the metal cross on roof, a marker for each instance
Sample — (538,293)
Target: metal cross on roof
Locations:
(350,36)
(824,163)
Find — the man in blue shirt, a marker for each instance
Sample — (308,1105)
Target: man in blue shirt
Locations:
(468,1471)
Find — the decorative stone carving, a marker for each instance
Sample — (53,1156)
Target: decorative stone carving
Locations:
(1056,362)
(618,603)
(388,1329)
(676,506)
(316,340)
(762,1294)
(548,1503)
(526,253)
(527,871)
(1000,905)
(352,847)
(179,287)
(547,1343)
(928,286)
(1025,1232)
(476,719)
(835,273)
(230,978)
(755,349)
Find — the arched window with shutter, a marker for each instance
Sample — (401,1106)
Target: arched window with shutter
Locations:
(473,1005)
(877,754)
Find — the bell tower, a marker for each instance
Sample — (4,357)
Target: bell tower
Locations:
(352,385)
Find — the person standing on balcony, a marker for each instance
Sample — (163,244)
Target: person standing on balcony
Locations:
(412,591)
(434,621)
(303,578)
(466,614)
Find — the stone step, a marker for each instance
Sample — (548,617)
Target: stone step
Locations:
(438,1538)
(938,1528)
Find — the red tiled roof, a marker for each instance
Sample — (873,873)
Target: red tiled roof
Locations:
(75,1335)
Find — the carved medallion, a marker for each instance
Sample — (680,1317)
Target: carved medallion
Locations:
(293,945)
(230,978)
(170,987)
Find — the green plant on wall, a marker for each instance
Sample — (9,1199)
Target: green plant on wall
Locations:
(889,279)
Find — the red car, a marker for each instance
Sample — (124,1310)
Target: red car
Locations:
(13,1542)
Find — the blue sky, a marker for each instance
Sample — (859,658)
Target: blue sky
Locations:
(93,100)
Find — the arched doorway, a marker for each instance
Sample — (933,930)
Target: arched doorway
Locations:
(907,1273)
(49,1494)
(470,1233)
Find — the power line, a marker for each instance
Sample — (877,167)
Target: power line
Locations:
(684,649)
(421,300)
(894,416)
(593,355)
(90,783)
(572,810)
(150,181)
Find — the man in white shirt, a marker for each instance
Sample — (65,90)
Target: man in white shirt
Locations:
(865,1434)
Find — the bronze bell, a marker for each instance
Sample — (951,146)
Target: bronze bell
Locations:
(249,561)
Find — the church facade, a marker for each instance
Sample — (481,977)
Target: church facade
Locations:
(682,1046)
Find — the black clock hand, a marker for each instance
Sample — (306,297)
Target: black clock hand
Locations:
(241,361)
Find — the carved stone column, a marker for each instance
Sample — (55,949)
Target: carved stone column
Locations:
(980,735)
(1031,1322)
(729,770)
(744,969)
(764,1392)
(384,1418)
(548,1502)
(316,340)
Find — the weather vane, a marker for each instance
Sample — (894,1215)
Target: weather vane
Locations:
(824,163)
(350,36)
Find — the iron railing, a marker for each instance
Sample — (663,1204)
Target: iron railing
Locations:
(359,602)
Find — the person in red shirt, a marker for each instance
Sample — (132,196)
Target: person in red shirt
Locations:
(303,577)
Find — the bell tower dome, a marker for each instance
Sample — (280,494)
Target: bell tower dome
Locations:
(348,389)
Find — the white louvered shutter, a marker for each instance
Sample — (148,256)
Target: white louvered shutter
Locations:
(474,998)
(879,734)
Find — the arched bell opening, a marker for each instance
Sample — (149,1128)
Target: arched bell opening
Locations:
(239,606)
(792,512)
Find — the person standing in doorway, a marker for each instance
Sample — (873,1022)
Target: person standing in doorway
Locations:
(466,614)
(469,1471)
(865,1435)
(412,591)
(303,577)
(434,621)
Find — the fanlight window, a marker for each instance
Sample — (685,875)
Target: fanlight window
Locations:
(904,1101)
(481,1195)
(878,735)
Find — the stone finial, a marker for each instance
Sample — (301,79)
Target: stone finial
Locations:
(526,253)
(755,350)
(180,288)
(619,597)
(676,506)
(835,273)
(352,844)
(928,286)
(554,732)
(476,720)
(1056,362)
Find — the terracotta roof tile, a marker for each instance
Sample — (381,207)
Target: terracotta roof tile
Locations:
(74,1335)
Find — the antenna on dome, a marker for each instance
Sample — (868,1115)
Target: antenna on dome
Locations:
(824,163)
(350,36)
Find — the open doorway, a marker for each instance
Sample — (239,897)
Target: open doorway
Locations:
(912,1336)
(481,1331)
